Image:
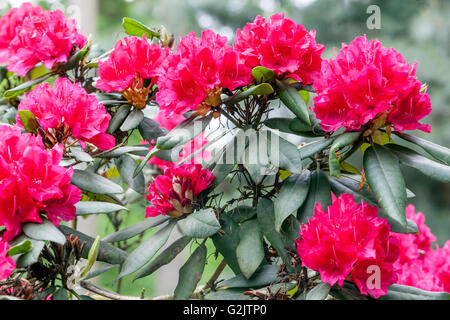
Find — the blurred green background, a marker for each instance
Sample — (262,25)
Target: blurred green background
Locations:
(419,29)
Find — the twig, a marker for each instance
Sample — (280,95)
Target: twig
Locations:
(216,274)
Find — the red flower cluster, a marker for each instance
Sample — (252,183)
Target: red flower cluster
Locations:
(7,264)
(34,35)
(367,82)
(69,110)
(349,240)
(197,72)
(32,182)
(175,192)
(281,45)
(418,264)
(127,67)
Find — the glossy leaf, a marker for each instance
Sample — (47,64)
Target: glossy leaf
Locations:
(401,292)
(319,192)
(341,141)
(264,276)
(319,292)
(262,74)
(260,89)
(150,129)
(135,28)
(227,242)
(200,224)
(133,119)
(249,252)
(92,182)
(17,91)
(21,248)
(43,231)
(282,153)
(119,117)
(310,149)
(96,207)
(127,166)
(293,100)
(29,121)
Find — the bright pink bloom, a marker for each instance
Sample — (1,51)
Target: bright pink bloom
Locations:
(281,45)
(10,22)
(197,72)
(134,58)
(366,81)
(48,37)
(419,265)
(69,109)
(175,192)
(345,240)
(32,182)
(7,264)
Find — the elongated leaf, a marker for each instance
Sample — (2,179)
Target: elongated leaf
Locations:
(61,294)
(101,270)
(27,259)
(319,192)
(242,213)
(29,121)
(267,220)
(341,141)
(200,224)
(382,170)
(96,207)
(229,294)
(142,254)
(92,182)
(135,229)
(182,133)
(319,292)
(401,292)
(314,147)
(293,100)
(250,252)
(17,91)
(135,28)
(92,257)
(139,150)
(292,194)
(133,119)
(289,232)
(81,155)
(118,118)
(227,242)
(260,89)
(21,248)
(261,74)
(282,153)
(144,161)
(43,231)
(191,273)
(127,166)
(150,129)
(439,152)
(433,169)
(106,253)
(164,257)
(264,276)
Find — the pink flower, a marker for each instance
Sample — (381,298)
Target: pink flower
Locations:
(419,265)
(281,45)
(175,192)
(344,241)
(197,72)
(7,264)
(69,110)
(367,82)
(47,37)
(32,182)
(10,22)
(128,65)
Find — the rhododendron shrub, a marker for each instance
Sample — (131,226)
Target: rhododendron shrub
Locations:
(186,134)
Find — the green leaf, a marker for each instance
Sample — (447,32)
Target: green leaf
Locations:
(242,213)
(267,220)
(382,170)
(43,231)
(341,141)
(264,276)
(144,161)
(191,273)
(200,224)
(118,118)
(164,257)
(401,292)
(138,150)
(29,121)
(250,251)
(127,166)
(101,270)
(260,89)
(310,149)
(80,155)
(184,132)
(227,243)
(261,74)
(92,182)
(409,157)
(282,153)
(135,28)
(289,232)
(85,208)
(21,248)
(319,292)
(133,119)
(17,91)
(229,294)
(293,101)
(292,194)
(92,257)
(61,294)
(150,129)
(135,229)
(319,192)
(142,254)
(439,152)
(32,256)
(106,253)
